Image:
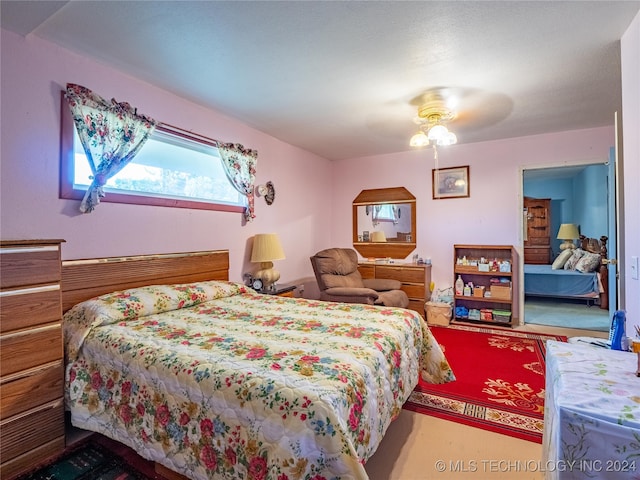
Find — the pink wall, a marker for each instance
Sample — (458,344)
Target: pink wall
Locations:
(630,52)
(33,74)
(491,215)
(312,209)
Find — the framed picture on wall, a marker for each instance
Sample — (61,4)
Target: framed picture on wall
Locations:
(450,182)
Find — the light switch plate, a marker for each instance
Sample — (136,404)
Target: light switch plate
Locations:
(634,268)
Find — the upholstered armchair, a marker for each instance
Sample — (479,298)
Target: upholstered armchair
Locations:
(336,271)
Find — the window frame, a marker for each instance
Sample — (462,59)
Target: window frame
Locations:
(67,192)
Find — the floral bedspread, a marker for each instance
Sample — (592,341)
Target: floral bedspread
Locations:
(213,380)
(592,413)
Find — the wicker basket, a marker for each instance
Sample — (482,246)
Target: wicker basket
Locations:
(438,313)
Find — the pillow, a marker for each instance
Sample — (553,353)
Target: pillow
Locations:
(573,260)
(134,303)
(588,263)
(561,259)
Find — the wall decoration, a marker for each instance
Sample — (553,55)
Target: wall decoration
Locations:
(450,182)
(270,196)
(267,191)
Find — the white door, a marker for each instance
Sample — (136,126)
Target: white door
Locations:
(613,199)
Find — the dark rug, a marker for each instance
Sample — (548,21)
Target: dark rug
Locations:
(89,461)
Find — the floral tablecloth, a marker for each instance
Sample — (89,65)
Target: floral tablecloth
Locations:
(216,381)
(592,413)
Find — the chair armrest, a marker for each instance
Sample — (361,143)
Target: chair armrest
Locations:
(350,295)
(381,284)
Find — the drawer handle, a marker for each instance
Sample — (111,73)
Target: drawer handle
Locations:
(27,291)
(31,331)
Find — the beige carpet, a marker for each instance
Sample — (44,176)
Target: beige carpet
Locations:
(420,447)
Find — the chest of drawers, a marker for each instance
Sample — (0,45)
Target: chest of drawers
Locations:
(31,355)
(415,279)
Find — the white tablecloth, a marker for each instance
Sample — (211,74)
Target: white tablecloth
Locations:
(592,413)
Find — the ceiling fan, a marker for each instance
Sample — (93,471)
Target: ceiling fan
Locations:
(465,111)
(433,115)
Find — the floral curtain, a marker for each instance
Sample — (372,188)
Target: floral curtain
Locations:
(111,134)
(240,166)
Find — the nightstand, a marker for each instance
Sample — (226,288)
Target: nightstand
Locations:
(281,291)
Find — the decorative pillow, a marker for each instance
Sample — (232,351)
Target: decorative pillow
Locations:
(559,262)
(573,260)
(588,263)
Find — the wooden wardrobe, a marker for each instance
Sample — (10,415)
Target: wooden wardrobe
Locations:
(537,242)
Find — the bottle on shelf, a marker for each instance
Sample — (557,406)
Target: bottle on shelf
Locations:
(459,286)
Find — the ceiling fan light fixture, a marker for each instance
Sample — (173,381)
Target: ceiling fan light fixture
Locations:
(419,140)
(432,117)
(437,132)
(448,139)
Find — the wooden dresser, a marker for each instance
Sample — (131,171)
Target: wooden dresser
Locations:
(537,244)
(31,355)
(415,279)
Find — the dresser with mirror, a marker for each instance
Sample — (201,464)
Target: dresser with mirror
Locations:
(384,233)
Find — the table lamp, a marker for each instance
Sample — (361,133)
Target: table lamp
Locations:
(266,248)
(567,232)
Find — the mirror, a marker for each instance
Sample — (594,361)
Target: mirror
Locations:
(384,223)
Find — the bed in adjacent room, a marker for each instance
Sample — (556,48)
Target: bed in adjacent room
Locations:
(213,380)
(577,274)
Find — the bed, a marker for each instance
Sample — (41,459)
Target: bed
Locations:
(210,379)
(545,281)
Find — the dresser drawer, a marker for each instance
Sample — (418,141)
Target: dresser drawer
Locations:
(540,239)
(367,271)
(418,306)
(405,275)
(29,348)
(28,307)
(537,251)
(537,255)
(39,455)
(29,265)
(414,291)
(30,388)
(24,432)
(537,259)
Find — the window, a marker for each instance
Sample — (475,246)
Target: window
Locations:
(385,213)
(173,168)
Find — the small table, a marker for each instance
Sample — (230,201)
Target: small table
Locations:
(592,413)
(281,291)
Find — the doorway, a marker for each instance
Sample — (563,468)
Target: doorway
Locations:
(575,195)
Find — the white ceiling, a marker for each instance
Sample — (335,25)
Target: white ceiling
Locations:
(343,78)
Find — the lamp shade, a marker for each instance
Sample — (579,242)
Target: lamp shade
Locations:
(378,236)
(266,248)
(568,231)
(419,140)
(437,132)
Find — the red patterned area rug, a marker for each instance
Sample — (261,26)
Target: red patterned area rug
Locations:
(499,381)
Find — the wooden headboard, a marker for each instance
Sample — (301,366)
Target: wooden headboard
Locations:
(594,245)
(88,278)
